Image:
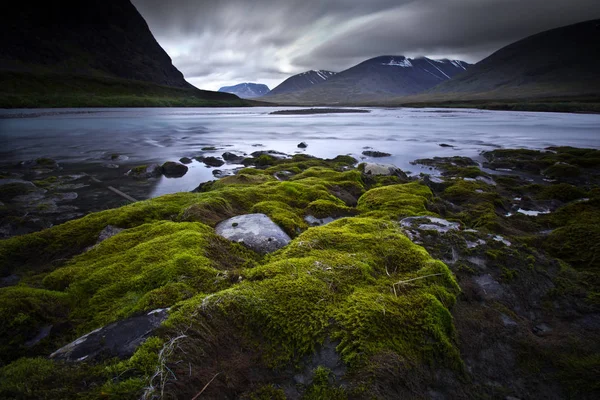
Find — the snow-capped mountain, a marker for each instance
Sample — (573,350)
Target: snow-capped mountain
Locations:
(246,90)
(375,79)
(302,81)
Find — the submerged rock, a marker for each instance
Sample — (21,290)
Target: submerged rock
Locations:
(119,339)
(185,160)
(302,145)
(377,154)
(145,171)
(255,231)
(174,170)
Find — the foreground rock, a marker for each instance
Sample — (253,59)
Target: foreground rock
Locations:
(255,231)
(383,170)
(119,339)
(174,170)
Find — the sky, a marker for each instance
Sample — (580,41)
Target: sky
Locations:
(224,42)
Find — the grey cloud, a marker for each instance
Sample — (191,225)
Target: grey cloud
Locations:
(215,42)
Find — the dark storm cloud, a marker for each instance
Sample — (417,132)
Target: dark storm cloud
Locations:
(218,42)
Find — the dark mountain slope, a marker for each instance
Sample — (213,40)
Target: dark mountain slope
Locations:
(81,49)
(558,62)
(302,81)
(246,90)
(377,78)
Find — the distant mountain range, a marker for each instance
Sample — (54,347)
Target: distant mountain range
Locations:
(301,81)
(559,62)
(246,90)
(376,78)
(99,53)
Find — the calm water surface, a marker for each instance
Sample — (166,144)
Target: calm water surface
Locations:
(82,138)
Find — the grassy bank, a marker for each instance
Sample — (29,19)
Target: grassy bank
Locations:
(22,90)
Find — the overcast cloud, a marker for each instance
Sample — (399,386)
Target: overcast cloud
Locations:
(224,42)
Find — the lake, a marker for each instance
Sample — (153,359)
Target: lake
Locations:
(83,140)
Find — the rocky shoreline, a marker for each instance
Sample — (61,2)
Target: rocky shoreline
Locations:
(305,278)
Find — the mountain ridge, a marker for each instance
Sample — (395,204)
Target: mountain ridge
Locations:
(377,77)
(246,90)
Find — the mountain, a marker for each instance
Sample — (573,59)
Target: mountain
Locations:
(556,63)
(71,53)
(302,81)
(246,90)
(377,78)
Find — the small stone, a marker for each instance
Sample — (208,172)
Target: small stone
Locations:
(145,171)
(111,166)
(384,169)
(542,330)
(445,145)
(108,232)
(302,145)
(185,160)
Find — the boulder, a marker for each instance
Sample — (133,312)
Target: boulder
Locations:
(173,169)
(211,161)
(185,160)
(119,339)
(255,231)
(383,169)
(232,158)
(302,145)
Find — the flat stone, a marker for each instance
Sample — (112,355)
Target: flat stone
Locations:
(255,231)
(119,339)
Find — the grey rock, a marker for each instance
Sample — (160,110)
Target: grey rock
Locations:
(382,169)
(68,196)
(119,339)
(108,232)
(302,145)
(507,321)
(255,231)
(173,169)
(282,175)
(489,288)
(486,180)
(430,223)
(314,221)
(185,160)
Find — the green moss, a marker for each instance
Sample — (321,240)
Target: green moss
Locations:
(578,244)
(11,190)
(562,170)
(45,183)
(266,392)
(327,208)
(324,387)
(23,312)
(396,200)
(561,191)
(283,215)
